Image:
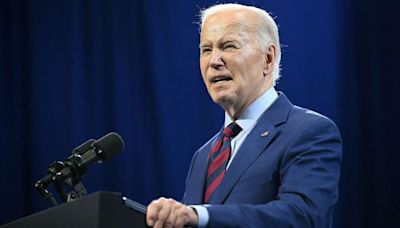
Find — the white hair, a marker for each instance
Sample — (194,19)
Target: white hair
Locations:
(266,29)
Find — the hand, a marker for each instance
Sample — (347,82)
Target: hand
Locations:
(170,213)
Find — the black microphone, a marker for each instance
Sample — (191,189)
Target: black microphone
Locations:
(81,149)
(90,152)
(57,166)
(74,167)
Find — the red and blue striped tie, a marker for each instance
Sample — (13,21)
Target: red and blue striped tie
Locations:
(218,159)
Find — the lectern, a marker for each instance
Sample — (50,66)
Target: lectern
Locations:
(97,210)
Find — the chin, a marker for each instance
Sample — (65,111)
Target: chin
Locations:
(223,100)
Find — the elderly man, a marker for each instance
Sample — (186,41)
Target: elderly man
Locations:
(273,164)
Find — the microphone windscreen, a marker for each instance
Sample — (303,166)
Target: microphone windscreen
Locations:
(110,145)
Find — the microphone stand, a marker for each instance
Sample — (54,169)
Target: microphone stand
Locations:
(56,177)
(42,184)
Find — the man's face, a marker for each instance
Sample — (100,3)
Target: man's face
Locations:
(234,68)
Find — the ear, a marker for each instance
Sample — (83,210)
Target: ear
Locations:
(269,59)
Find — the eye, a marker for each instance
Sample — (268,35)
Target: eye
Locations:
(229,46)
(205,50)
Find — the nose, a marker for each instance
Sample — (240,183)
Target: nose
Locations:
(216,58)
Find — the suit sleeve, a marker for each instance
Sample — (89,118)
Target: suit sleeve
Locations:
(309,175)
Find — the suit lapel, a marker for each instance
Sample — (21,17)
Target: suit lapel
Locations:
(195,187)
(253,146)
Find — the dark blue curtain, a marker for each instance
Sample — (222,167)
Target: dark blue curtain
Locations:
(74,70)
(369,86)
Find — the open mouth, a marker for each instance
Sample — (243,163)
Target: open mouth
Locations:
(220,79)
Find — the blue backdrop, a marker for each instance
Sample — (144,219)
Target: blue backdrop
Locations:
(71,70)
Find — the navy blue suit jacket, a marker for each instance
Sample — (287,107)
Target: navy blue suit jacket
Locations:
(285,174)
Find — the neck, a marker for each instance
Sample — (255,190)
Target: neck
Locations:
(235,110)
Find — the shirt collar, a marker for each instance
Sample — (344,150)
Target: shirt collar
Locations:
(250,116)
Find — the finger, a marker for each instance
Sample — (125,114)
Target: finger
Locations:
(152,212)
(170,221)
(158,224)
(165,210)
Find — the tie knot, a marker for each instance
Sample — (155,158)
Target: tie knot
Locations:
(232,130)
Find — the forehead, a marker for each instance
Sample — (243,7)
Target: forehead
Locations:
(223,24)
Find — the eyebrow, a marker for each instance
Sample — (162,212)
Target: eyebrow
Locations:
(202,45)
(236,24)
